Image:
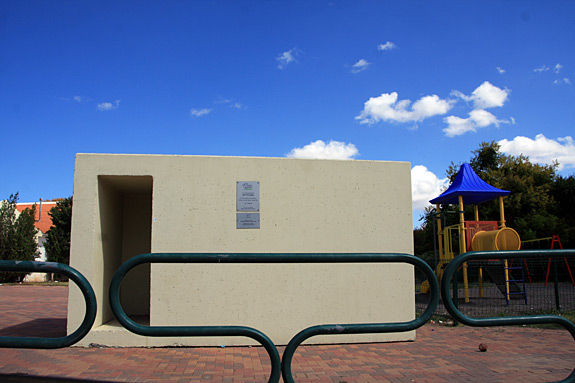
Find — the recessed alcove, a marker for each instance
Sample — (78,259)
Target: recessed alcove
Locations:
(125,215)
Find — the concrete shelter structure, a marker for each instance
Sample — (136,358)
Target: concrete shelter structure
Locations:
(126,205)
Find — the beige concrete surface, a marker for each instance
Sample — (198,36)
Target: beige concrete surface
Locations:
(125,205)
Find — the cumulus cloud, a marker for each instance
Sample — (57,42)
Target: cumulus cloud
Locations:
(360,66)
(542,149)
(483,97)
(425,186)
(488,95)
(500,70)
(478,118)
(334,150)
(387,46)
(286,58)
(199,112)
(103,106)
(387,108)
(457,126)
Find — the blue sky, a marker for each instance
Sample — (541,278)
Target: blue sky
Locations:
(416,81)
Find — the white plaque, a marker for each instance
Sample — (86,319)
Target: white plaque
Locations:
(248,220)
(248,196)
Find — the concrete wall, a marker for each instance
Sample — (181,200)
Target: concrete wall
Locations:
(129,204)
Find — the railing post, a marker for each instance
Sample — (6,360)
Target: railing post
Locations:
(556,285)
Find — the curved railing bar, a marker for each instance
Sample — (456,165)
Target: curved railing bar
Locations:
(129,324)
(76,277)
(451,269)
(365,328)
(277,365)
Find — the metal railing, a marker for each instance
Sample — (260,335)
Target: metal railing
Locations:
(281,367)
(285,364)
(451,270)
(76,277)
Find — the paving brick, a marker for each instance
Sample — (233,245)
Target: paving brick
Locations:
(440,354)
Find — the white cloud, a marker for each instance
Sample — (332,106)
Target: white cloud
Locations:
(425,186)
(334,150)
(231,103)
(542,68)
(199,112)
(360,66)
(286,58)
(542,149)
(103,106)
(387,46)
(387,108)
(484,96)
(564,80)
(456,126)
(487,95)
(482,118)
(557,68)
(500,70)
(78,98)
(478,118)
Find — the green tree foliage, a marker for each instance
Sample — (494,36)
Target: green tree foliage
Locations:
(17,236)
(563,191)
(58,243)
(540,204)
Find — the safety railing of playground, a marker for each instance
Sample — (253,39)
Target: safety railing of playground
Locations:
(276,365)
(451,307)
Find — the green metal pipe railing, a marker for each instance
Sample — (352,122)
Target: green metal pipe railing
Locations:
(73,275)
(180,331)
(277,365)
(451,270)
(364,328)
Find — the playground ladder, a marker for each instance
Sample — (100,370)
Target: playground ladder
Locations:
(510,281)
(555,240)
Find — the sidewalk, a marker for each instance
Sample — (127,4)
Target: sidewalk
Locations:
(440,354)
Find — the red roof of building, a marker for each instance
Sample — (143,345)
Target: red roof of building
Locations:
(43,220)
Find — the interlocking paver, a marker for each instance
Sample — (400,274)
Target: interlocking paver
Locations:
(440,354)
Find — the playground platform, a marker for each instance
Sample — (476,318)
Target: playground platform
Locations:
(439,354)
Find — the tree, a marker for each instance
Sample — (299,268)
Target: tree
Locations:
(563,191)
(17,236)
(58,243)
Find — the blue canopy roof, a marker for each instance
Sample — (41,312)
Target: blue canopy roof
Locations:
(473,189)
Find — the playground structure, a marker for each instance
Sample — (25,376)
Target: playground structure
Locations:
(476,235)
(553,243)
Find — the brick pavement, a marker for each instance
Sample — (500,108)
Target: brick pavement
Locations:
(440,354)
